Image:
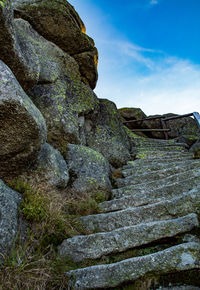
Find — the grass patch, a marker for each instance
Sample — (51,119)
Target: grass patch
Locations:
(51,217)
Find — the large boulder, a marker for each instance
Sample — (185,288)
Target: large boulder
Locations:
(105,133)
(9,202)
(132,114)
(19,55)
(60,95)
(58,22)
(89,169)
(53,62)
(49,170)
(64,105)
(22,130)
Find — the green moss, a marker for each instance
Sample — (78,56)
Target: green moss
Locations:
(36,209)
(141,155)
(2,3)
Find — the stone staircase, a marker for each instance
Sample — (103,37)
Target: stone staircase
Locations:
(158,198)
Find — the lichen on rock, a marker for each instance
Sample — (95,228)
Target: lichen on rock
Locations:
(107,134)
(23,128)
(89,169)
(18,54)
(9,203)
(58,22)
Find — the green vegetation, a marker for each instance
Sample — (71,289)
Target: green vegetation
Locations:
(51,218)
(2,3)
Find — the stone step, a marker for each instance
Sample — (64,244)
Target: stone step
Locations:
(162,154)
(155,175)
(160,145)
(180,287)
(138,169)
(176,207)
(150,197)
(97,245)
(163,160)
(157,142)
(161,148)
(152,185)
(178,258)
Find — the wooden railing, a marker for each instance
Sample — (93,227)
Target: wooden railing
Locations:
(164,120)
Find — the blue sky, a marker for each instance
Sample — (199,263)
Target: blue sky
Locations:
(149,52)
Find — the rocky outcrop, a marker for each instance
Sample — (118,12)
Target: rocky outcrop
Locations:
(9,202)
(64,105)
(105,133)
(18,54)
(132,114)
(22,130)
(60,95)
(58,22)
(89,169)
(155,198)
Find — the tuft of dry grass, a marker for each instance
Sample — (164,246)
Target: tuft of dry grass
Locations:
(51,217)
(117,174)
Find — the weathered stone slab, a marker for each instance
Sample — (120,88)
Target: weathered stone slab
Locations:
(176,207)
(97,245)
(155,184)
(150,176)
(177,258)
(138,170)
(150,197)
(162,154)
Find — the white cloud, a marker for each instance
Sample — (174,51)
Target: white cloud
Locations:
(153,2)
(133,76)
(172,86)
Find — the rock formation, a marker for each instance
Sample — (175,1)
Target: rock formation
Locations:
(59,143)
(48,70)
(184,129)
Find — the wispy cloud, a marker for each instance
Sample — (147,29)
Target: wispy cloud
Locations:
(131,52)
(134,76)
(171,84)
(154,2)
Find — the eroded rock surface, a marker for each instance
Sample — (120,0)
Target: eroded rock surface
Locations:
(60,95)
(18,54)
(105,133)
(23,128)
(85,247)
(58,22)
(49,170)
(9,202)
(177,258)
(90,169)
